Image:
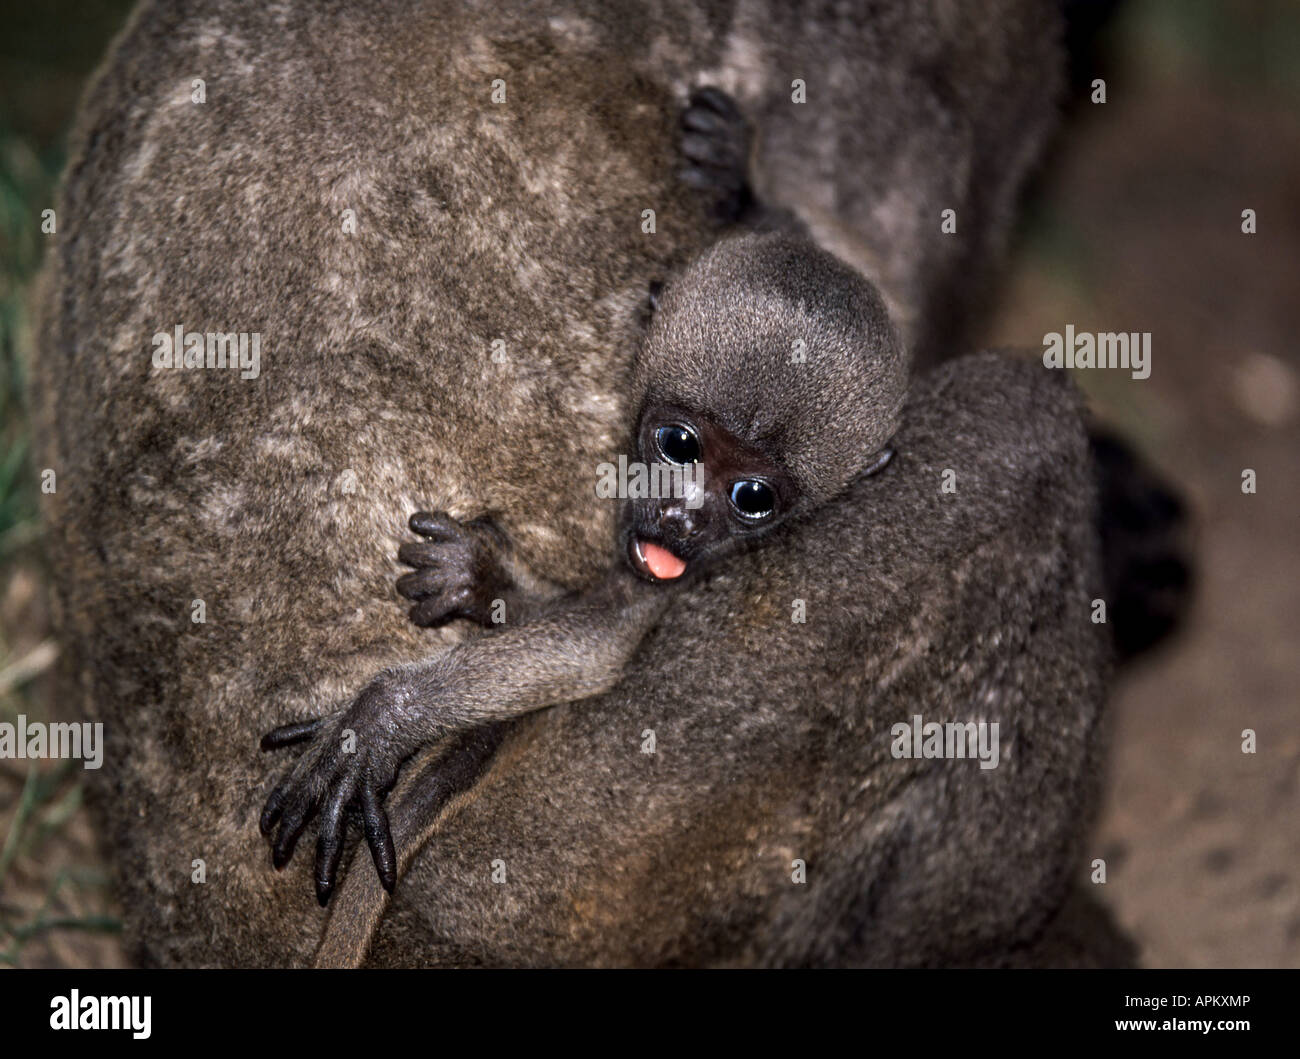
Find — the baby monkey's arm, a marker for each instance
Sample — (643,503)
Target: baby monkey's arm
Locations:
(566,649)
(543,651)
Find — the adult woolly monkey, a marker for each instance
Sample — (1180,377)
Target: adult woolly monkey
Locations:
(433,216)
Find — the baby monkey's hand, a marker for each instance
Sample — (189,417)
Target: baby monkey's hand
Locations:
(353,757)
(351,762)
(716,142)
(460,569)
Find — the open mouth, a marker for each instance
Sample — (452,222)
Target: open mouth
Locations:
(654,561)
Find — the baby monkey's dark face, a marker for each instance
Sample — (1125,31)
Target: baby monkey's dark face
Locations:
(710,491)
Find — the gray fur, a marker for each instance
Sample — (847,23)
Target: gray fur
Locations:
(720,346)
(773,737)
(725,339)
(522,222)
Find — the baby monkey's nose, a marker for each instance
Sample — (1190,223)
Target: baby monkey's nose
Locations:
(679,523)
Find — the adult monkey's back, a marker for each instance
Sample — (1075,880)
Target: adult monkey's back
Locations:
(279,501)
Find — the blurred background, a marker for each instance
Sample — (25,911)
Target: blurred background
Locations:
(1133,225)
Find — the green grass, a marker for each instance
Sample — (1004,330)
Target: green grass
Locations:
(25,182)
(50,796)
(1243,45)
(43,63)
(49,799)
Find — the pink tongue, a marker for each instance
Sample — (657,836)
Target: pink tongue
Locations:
(662,563)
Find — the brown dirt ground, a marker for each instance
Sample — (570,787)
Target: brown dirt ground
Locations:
(1202,841)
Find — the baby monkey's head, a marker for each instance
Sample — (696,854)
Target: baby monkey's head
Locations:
(772,371)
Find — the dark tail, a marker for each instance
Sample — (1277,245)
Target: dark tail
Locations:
(1146,557)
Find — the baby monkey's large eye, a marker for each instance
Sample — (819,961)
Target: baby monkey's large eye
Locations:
(678,444)
(752,498)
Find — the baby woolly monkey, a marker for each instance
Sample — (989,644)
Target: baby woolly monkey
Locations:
(771,367)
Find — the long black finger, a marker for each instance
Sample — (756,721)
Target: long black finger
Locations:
(271,811)
(288,734)
(698,119)
(378,837)
(422,553)
(441,608)
(329,846)
(295,821)
(716,99)
(421,584)
(435,526)
(710,150)
(698,178)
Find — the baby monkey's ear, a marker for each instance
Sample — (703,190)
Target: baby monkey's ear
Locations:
(656,289)
(879,461)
